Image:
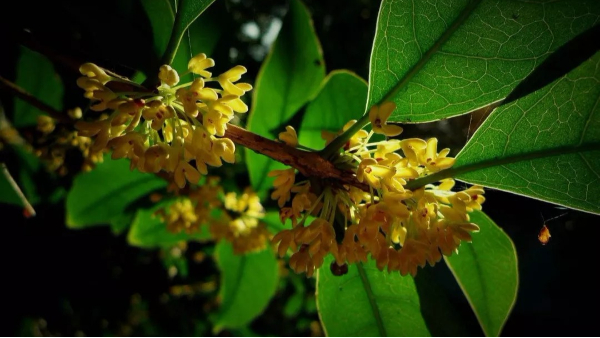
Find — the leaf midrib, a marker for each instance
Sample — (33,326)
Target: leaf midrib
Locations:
(464,15)
(372,301)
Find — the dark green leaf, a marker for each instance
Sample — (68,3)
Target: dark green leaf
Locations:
(9,194)
(545,145)
(368,302)
(289,77)
(187,12)
(248,283)
(438,59)
(342,97)
(148,231)
(487,272)
(102,195)
(36,75)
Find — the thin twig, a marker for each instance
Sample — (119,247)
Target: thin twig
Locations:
(29,211)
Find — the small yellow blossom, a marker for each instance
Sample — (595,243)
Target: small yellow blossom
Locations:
(199,63)
(289,136)
(168,75)
(378,115)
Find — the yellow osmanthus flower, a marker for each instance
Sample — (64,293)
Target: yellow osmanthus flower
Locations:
(289,136)
(378,115)
(156,130)
(400,229)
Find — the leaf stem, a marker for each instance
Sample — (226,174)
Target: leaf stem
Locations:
(333,147)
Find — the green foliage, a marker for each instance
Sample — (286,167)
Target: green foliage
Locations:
(487,272)
(368,302)
(9,195)
(289,77)
(342,97)
(441,59)
(149,231)
(248,283)
(95,200)
(545,145)
(36,74)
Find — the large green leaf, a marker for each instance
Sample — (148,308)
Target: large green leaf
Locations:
(148,231)
(248,283)
(204,33)
(102,195)
(289,77)
(187,12)
(438,59)
(37,76)
(545,145)
(487,272)
(368,302)
(342,97)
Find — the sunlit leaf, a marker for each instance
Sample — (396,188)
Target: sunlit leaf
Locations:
(100,196)
(545,145)
(487,272)
(341,98)
(438,59)
(289,77)
(368,302)
(247,284)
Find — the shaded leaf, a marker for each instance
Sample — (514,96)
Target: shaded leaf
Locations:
(148,231)
(545,145)
(487,272)
(37,76)
(373,303)
(102,195)
(289,77)
(341,98)
(438,59)
(248,283)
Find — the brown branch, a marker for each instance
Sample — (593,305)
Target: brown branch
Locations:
(34,101)
(309,164)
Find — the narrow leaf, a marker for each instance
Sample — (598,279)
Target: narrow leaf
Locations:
(248,283)
(438,59)
(368,302)
(487,272)
(342,97)
(545,145)
(289,77)
(103,194)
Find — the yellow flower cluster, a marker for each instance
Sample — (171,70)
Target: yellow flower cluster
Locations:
(167,128)
(56,141)
(231,217)
(400,229)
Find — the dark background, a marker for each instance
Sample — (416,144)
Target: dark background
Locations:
(90,282)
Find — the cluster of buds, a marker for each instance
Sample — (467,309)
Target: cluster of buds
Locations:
(230,217)
(400,229)
(166,129)
(56,141)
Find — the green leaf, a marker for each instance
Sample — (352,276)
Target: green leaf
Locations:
(187,12)
(289,77)
(487,272)
(148,231)
(273,223)
(341,98)
(438,59)
(102,195)
(204,33)
(248,283)
(545,145)
(368,302)
(37,76)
